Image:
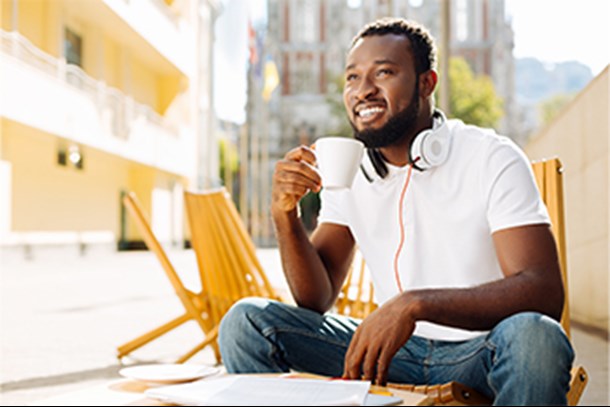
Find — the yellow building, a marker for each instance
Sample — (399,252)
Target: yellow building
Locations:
(579,136)
(100,97)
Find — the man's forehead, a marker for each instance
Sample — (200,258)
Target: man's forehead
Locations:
(387,47)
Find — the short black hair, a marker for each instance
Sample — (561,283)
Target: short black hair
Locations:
(422,42)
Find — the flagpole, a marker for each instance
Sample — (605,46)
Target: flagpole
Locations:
(246,142)
(243,172)
(255,178)
(271,81)
(266,229)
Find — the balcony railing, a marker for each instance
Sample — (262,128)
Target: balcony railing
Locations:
(119,110)
(165,10)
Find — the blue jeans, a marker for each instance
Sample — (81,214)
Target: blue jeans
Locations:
(525,360)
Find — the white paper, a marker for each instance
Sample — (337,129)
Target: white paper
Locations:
(264,391)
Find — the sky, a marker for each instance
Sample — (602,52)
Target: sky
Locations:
(560,30)
(550,30)
(231,55)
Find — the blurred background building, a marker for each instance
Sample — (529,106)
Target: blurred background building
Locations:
(308,41)
(100,97)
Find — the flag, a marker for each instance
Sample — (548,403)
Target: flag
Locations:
(272,79)
(252,45)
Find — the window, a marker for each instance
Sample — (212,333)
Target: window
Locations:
(62,157)
(71,156)
(305,74)
(73,47)
(462,20)
(306,17)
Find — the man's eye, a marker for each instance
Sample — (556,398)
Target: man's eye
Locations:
(351,77)
(384,72)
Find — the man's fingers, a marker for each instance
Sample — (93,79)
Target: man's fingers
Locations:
(288,177)
(296,190)
(289,171)
(300,167)
(302,153)
(353,359)
(352,369)
(383,365)
(370,363)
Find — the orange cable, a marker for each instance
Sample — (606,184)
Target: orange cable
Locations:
(401,225)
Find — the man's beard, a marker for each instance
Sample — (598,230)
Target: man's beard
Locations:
(397,127)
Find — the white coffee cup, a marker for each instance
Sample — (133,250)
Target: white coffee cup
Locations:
(338,160)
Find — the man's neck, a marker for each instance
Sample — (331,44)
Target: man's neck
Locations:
(398,153)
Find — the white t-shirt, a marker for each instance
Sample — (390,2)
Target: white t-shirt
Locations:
(450,213)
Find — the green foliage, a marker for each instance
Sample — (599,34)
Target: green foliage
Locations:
(229,160)
(550,108)
(473,99)
(334,99)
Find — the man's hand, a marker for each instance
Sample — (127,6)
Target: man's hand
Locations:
(378,338)
(293,177)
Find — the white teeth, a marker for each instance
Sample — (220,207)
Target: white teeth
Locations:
(369,111)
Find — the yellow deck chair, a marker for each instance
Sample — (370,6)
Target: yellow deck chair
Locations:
(226,255)
(356,296)
(196,305)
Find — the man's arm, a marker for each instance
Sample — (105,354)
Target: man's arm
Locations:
(528,257)
(315,269)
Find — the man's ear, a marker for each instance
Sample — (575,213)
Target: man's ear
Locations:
(427,82)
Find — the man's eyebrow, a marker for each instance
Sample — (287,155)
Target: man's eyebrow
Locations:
(385,62)
(377,62)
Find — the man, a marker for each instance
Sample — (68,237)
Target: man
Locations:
(461,254)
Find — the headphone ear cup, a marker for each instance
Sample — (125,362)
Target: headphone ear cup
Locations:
(418,155)
(430,148)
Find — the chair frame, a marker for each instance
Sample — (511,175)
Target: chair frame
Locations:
(549,179)
(196,305)
(226,256)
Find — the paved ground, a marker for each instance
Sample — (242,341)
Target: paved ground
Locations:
(63,315)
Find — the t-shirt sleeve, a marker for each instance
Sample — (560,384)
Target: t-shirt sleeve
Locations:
(509,184)
(332,209)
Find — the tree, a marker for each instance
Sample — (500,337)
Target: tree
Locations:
(228,164)
(473,99)
(334,99)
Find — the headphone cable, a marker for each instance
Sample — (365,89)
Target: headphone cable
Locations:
(401,224)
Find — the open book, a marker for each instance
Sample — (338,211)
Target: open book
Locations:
(248,390)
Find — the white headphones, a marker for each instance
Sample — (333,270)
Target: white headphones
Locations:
(429,149)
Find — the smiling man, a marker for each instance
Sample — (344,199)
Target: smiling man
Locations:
(451,225)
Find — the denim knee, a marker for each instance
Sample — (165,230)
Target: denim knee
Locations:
(236,322)
(533,342)
(531,361)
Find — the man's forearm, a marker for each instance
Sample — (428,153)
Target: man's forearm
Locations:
(305,272)
(484,306)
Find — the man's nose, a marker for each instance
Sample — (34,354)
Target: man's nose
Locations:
(366,89)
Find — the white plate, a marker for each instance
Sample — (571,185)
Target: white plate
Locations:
(167,373)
